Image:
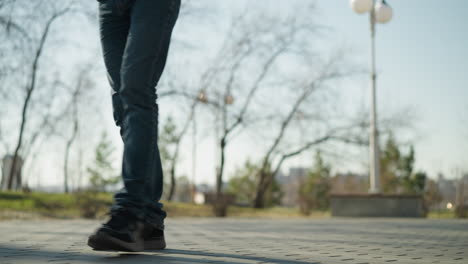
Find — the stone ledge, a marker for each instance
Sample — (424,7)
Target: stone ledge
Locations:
(377,205)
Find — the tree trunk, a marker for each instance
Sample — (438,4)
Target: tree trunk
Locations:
(173,182)
(67,153)
(219,178)
(262,186)
(29,91)
(65,168)
(259,199)
(172,187)
(220,204)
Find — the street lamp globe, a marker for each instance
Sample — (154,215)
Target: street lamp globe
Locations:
(362,6)
(383,12)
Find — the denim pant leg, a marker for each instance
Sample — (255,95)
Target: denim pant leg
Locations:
(114,28)
(142,63)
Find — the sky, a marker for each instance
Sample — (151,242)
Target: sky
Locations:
(422,59)
(421,63)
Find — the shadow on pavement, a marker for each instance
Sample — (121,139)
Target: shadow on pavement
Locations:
(18,254)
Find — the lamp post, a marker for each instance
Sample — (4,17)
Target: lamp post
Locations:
(380,12)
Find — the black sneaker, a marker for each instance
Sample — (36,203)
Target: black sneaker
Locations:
(123,232)
(153,238)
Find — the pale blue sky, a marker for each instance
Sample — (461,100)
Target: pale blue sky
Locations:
(421,60)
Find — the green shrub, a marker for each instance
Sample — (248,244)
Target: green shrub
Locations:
(461,211)
(90,204)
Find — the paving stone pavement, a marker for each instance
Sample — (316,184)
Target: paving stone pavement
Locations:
(337,240)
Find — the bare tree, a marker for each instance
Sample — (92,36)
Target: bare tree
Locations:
(171,88)
(83,83)
(249,61)
(174,158)
(32,85)
(235,55)
(268,167)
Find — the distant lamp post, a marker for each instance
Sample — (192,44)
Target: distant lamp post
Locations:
(380,12)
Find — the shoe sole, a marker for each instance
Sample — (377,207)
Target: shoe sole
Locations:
(104,242)
(155,244)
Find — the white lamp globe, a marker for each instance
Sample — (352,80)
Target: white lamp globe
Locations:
(362,6)
(383,12)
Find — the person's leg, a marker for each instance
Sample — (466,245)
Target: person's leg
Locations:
(119,233)
(135,37)
(114,28)
(143,63)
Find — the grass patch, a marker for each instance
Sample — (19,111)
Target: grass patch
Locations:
(18,205)
(176,209)
(14,205)
(44,205)
(442,214)
(273,212)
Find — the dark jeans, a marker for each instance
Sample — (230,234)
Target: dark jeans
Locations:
(135,37)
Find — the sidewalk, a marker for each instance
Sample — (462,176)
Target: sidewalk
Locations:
(249,241)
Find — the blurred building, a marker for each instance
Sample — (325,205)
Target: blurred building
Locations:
(452,191)
(462,191)
(349,183)
(447,189)
(202,193)
(290,184)
(183,190)
(341,183)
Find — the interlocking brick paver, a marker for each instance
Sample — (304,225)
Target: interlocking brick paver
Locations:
(249,241)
